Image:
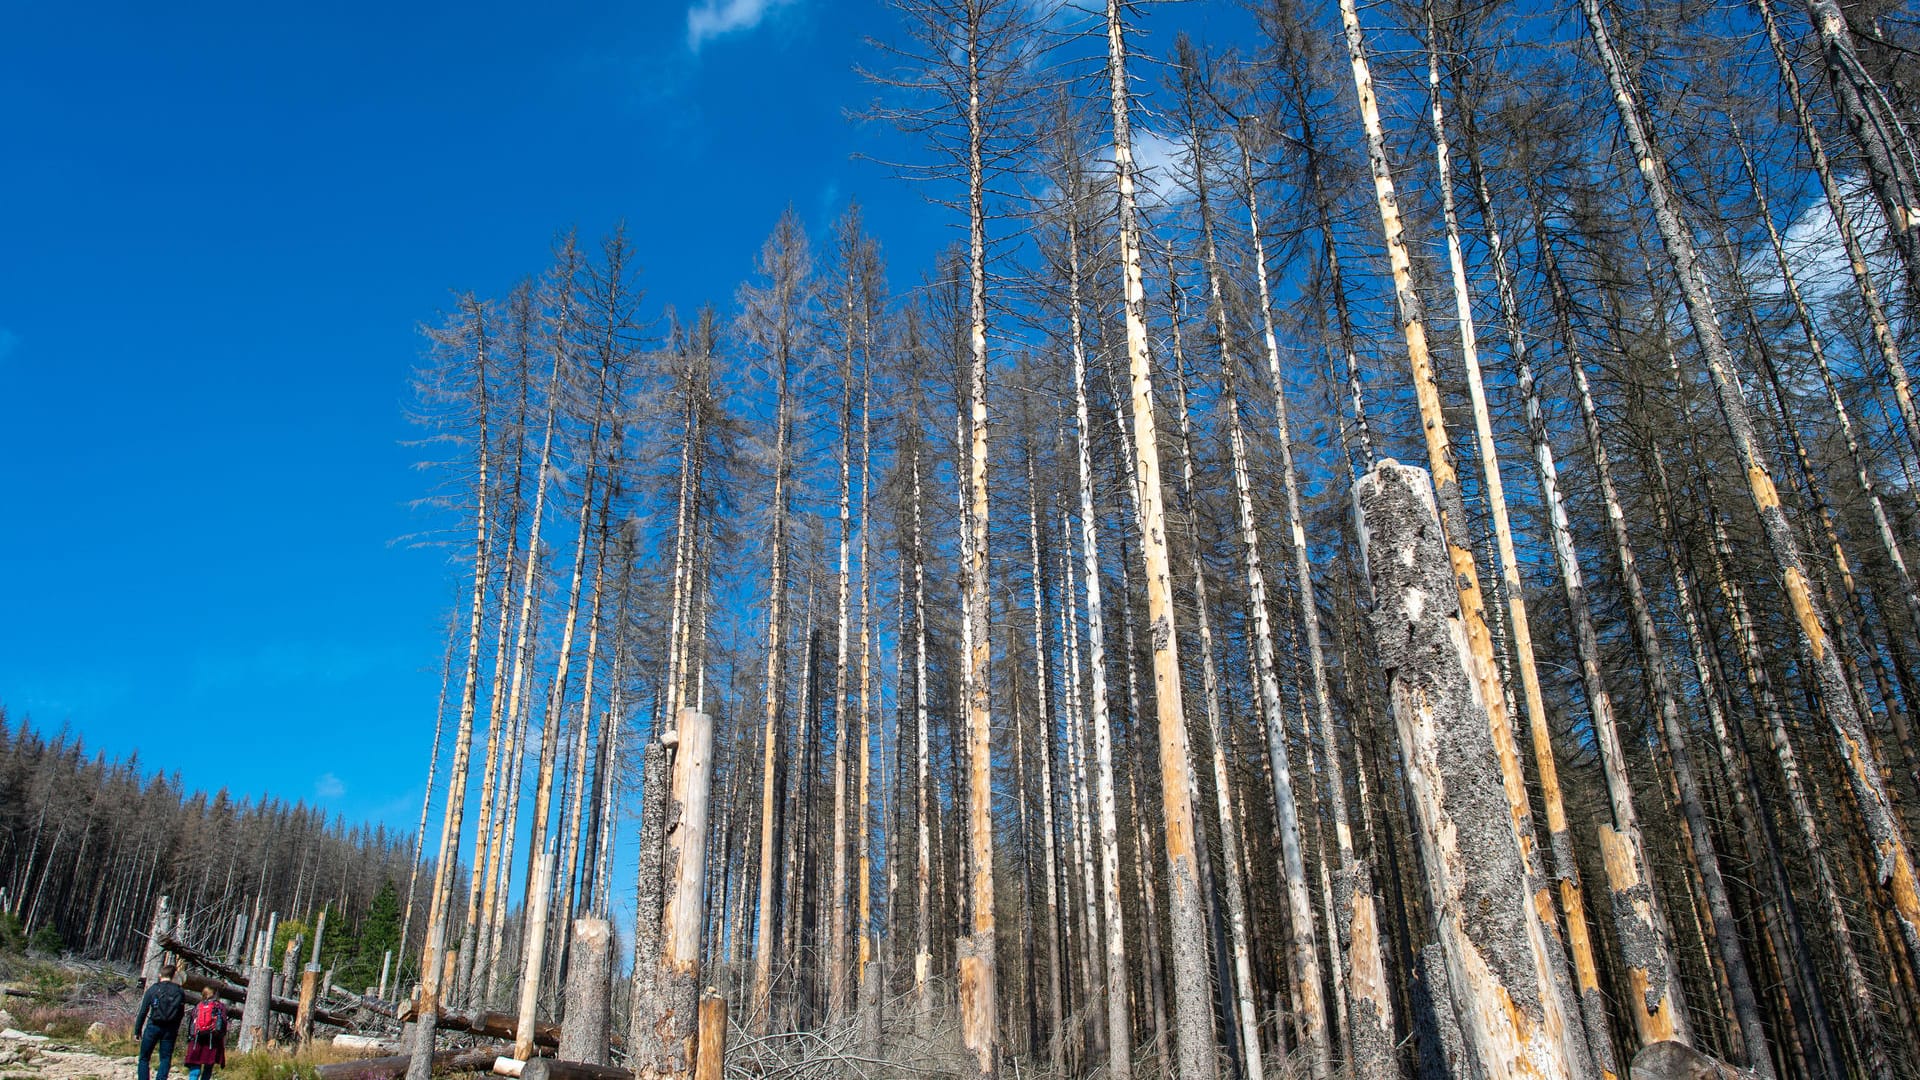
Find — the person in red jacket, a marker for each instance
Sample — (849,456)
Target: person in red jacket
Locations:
(207,1042)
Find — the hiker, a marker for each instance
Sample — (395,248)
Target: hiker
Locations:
(207,1043)
(158,1021)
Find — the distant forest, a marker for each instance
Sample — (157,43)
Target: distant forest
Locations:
(89,843)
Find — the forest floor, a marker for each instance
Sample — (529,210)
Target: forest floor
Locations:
(66,1020)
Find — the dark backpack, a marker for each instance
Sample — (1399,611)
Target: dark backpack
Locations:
(169,1001)
(208,1016)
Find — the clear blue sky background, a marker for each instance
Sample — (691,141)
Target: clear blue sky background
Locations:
(220,225)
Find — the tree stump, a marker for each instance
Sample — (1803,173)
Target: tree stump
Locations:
(162,924)
(711,1060)
(1678,1061)
(585,1034)
(1515,1022)
(303,1019)
(259,1004)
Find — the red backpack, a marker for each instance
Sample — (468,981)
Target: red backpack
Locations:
(209,1016)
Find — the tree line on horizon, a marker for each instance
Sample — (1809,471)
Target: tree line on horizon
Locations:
(1027,598)
(90,843)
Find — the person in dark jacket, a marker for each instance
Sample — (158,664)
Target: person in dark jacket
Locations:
(207,1038)
(158,1021)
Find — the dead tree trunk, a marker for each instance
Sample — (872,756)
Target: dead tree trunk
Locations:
(1193,1027)
(586,1035)
(1508,1003)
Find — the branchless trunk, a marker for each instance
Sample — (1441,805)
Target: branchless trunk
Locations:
(837,935)
(1893,858)
(923,847)
(1056,1012)
(1193,1026)
(1548,997)
(1078,799)
(1119,1041)
(760,1004)
(979,1025)
(1246,999)
(863,860)
(1369,1011)
(1477,880)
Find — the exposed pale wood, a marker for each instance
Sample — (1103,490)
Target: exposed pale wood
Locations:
(534,956)
(710,1063)
(1193,1028)
(157,932)
(303,1012)
(560,1069)
(1477,881)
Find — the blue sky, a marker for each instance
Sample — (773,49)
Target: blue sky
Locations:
(219,227)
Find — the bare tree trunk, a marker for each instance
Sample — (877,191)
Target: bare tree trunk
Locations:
(1082,815)
(837,935)
(426,805)
(1246,999)
(535,952)
(586,1035)
(979,1022)
(760,1004)
(1119,1041)
(1056,1015)
(868,990)
(1193,1027)
(1477,878)
(923,850)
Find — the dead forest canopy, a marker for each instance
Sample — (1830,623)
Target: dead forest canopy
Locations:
(1025,591)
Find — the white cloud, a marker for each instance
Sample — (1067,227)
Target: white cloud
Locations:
(329,786)
(710,19)
(1814,251)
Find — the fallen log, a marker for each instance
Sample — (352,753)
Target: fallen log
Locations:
(496,1025)
(365,1044)
(558,1069)
(395,1067)
(286,1006)
(361,1001)
(201,960)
